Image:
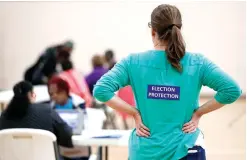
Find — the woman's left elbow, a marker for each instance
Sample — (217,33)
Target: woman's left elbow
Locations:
(238,92)
(235,94)
(101,93)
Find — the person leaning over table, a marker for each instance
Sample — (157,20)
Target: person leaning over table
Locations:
(48,63)
(166,82)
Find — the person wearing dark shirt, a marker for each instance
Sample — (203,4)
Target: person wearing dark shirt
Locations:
(68,46)
(23,113)
(48,63)
(97,73)
(109,59)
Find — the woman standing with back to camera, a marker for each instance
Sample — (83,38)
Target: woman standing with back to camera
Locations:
(166,82)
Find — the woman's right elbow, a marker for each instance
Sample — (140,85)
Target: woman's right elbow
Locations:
(102,93)
(98,93)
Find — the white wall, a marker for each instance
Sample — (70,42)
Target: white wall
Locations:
(216,29)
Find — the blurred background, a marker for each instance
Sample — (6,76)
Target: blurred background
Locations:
(215,29)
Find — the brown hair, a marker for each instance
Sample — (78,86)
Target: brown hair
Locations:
(166,20)
(97,61)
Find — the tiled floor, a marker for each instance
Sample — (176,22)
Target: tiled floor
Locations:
(224,132)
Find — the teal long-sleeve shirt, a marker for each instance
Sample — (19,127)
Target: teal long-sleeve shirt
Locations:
(165,98)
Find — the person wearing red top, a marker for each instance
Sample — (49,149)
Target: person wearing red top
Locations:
(76,82)
(127,95)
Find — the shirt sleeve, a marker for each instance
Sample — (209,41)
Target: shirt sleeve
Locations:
(212,76)
(112,81)
(62,131)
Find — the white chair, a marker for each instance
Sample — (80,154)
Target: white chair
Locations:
(27,144)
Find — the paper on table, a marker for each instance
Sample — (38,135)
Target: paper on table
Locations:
(108,136)
(103,134)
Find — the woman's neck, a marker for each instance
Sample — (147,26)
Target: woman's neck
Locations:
(160,46)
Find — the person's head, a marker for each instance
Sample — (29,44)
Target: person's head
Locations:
(58,90)
(109,55)
(97,61)
(166,23)
(62,55)
(68,46)
(23,97)
(67,65)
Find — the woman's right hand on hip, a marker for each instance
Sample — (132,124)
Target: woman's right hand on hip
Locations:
(141,129)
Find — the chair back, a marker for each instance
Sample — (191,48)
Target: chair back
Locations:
(28,144)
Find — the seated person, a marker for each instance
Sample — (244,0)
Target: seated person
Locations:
(97,73)
(61,99)
(59,92)
(109,58)
(22,113)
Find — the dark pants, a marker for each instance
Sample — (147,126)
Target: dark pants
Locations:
(80,158)
(199,155)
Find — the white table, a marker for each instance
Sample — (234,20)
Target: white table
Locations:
(87,139)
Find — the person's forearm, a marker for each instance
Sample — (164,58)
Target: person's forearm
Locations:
(209,107)
(120,105)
